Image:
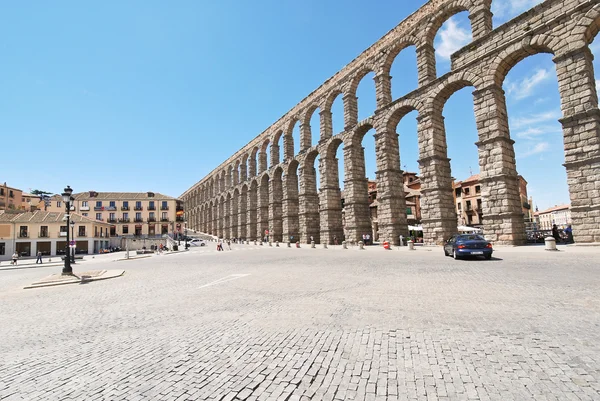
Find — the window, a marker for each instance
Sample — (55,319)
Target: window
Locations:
(138,205)
(58,204)
(164,229)
(111,217)
(23,232)
(81,231)
(2,248)
(468,205)
(164,205)
(479,204)
(84,214)
(138,216)
(111,204)
(125,229)
(2,194)
(164,216)
(113,231)
(84,203)
(98,216)
(459,206)
(151,215)
(458,192)
(63,230)
(98,203)
(125,204)
(11,194)
(44,231)
(125,216)
(477,189)
(467,191)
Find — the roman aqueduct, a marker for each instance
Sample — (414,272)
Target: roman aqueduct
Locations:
(243,197)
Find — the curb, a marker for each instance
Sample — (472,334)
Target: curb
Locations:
(106,276)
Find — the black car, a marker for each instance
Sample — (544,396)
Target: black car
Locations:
(461,245)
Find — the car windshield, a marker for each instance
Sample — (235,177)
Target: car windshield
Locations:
(471,237)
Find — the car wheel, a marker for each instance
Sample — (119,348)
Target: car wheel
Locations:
(488,257)
(202,244)
(445,252)
(455,255)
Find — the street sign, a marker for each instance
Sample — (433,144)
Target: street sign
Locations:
(71,243)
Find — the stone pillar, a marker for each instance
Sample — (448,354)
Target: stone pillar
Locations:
(234,215)
(326,124)
(350,110)
(426,63)
(309,205)
(242,214)
(330,201)
(290,207)
(263,208)
(356,194)
(262,161)
(383,89)
(252,213)
(227,219)
(503,220)
(243,172)
(437,200)
(275,209)
(305,136)
(252,166)
(581,131)
(481,20)
(274,154)
(220,218)
(391,209)
(288,146)
(235,177)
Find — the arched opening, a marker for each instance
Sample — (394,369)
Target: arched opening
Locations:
(252,230)
(275,206)
(337,115)
(253,163)
(277,149)
(504,11)
(454,34)
(330,197)
(228,217)
(264,156)
(309,200)
(315,126)
(243,213)
(235,212)
(290,205)
(534,108)
(295,135)
(367,100)
(263,207)
(404,72)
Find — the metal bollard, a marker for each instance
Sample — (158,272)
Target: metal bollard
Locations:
(325,245)
(277,244)
(289,244)
(550,244)
(312,244)
(361,245)
(411,245)
(344,245)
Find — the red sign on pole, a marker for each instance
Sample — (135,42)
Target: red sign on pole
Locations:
(266,232)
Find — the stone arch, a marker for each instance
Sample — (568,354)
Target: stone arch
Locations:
(396,113)
(306,129)
(444,13)
(450,86)
(288,138)
(357,77)
(394,50)
(263,163)
(263,204)
(275,149)
(252,162)
(244,168)
(586,29)
(356,136)
(330,150)
(276,194)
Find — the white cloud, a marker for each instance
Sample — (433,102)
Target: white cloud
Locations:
(451,38)
(537,149)
(512,8)
(526,121)
(525,87)
(534,132)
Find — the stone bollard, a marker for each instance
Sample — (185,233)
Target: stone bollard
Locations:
(550,244)
(361,245)
(270,243)
(325,245)
(254,242)
(260,243)
(312,244)
(411,245)
(289,244)
(297,244)
(277,244)
(344,245)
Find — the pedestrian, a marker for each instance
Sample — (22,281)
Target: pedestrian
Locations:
(555,233)
(335,240)
(569,232)
(39,257)
(311,238)
(15,257)
(364,236)
(160,248)
(229,244)
(368,239)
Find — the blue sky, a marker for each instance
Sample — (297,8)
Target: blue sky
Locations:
(149,95)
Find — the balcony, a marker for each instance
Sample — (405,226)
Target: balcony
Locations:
(84,208)
(43,235)
(164,207)
(100,219)
(164,219)
(138,220)
(62,234)
(81,235)
(151,219)
(111,208)
(111,220)
(138,208)
(98,208)
(179,218)
(124,220)
(23,235)
(125,208)
(151,207)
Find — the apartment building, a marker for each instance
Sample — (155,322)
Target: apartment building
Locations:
(146,214)
(29,232)
(559,215)
(16,199)
(468,201)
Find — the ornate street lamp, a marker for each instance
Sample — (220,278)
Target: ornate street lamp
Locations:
(66,196)
(72,253)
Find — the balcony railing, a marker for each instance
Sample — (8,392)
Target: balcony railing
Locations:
(164,219)
(124,220)
(98,208)
(138,208)
(81,234)
(84,208)
(100,219)
(23,235)
(164,207)
(111,220)
(43,235)
(138,220)
(62,234)
(151,219)
(124,207)
(179,219)
(151,207)
(111,208)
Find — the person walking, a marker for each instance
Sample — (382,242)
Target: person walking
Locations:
(335,240)
(15,257)
(569,232)
(555,233)
(229,244)
(39,257)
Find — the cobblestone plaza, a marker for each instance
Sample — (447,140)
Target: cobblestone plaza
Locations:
(267,323)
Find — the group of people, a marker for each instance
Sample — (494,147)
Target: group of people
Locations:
(566,237)
(367,239)
(220,245)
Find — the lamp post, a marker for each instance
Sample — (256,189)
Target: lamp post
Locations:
(66,197)
(185,236)
(72,253)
